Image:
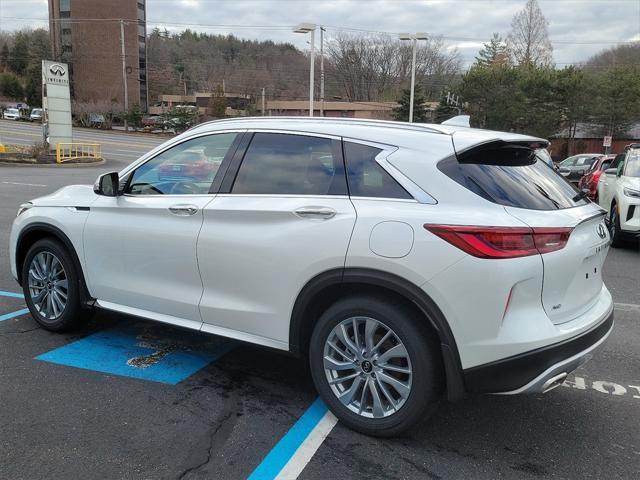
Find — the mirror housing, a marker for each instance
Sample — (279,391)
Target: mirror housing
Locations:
(107,184)
(611,171)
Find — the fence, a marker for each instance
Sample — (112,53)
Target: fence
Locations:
(75,151)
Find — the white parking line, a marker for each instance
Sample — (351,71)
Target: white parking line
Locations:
(308,448)
(25,184)
(627,307)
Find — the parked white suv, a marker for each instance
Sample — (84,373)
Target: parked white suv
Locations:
(619,193)
(403,260)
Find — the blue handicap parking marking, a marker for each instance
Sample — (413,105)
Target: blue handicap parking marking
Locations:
(10,315)
(16,313)
(141,350)
(11,294)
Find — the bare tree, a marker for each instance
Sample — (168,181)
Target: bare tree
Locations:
(376,67)
(528,40)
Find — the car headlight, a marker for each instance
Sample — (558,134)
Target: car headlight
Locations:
(23,208)
(631,193)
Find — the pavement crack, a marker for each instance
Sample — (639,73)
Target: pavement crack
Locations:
(229,416)
(19,331)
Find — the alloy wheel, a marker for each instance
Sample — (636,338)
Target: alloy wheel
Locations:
(367,367)
(48,285)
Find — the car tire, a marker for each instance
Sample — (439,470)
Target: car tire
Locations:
(406,330)
(614,226)
(51,286)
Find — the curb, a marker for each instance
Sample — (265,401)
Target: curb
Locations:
(54,165)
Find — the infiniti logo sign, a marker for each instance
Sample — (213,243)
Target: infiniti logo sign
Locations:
(602,232)
(56,69)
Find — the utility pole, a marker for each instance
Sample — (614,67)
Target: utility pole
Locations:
(263,114)
(311,74)
(414,38)
(322,30)
(124,75)
(413,79)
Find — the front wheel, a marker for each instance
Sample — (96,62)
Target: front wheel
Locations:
(614,226)
(51,287)
(375,366)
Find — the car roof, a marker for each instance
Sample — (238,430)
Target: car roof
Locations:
(383,131)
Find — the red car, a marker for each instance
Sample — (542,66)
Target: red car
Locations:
(589,180)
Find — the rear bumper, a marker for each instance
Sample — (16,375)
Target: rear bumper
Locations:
(538,370)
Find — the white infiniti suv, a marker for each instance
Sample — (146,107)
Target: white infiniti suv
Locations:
(402,260)
(619,193)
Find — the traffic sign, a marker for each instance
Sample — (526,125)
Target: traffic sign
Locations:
(606,141)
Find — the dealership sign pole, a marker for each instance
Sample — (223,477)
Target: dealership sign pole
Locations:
(56,102)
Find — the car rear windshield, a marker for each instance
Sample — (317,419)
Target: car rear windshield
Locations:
(512,175)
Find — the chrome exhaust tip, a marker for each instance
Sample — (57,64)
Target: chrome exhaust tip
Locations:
(553,382)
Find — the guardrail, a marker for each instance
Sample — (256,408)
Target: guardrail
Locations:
(74,151)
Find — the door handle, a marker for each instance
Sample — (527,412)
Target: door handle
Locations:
(324,213)
(183,210)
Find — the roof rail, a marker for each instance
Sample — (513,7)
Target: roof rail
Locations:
(351,121)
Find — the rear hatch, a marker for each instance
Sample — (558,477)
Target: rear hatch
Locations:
(573,275)
(509,174)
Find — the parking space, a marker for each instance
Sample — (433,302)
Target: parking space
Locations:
(126,398)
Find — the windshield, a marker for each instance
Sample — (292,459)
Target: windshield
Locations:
(633,165)
(509,176)
(12,110)
(543,155)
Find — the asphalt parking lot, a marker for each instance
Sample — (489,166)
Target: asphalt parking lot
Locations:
(125,398)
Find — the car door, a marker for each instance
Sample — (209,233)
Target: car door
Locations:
(282,216)
(140,247)
(607,183)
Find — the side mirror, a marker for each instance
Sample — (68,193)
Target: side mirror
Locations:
(107,184)
(611,171)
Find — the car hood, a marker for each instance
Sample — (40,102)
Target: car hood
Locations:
(71,196)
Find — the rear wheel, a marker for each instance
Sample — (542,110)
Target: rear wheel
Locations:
(614,226)
(374,365)
(51,287)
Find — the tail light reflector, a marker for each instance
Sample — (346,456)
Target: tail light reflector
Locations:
(502,242)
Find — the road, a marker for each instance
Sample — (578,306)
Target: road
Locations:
(209,408)
(118,148)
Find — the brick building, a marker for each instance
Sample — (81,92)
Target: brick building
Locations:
(86,34)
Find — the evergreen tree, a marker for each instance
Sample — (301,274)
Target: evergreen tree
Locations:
(19,54)
(217,103)
(33,85)
(10,86)
(401,112)
(444,110)
(493,53)
(4,57)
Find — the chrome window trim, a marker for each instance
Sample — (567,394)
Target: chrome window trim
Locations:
(160,149)
(280,195)
(414,190)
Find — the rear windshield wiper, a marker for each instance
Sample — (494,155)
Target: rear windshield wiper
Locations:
(579,196)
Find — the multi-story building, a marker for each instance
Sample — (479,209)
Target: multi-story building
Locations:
(86,34)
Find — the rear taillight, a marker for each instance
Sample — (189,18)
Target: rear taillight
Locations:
(502,242)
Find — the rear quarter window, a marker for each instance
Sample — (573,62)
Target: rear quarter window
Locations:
(512,176)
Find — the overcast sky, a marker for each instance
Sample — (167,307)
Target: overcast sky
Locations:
(578,28)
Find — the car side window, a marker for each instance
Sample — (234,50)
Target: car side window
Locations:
(605,165)
(284,164)
(367,178)
(185,169)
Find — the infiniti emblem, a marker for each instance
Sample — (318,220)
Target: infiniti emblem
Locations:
(602,232)
(57,70)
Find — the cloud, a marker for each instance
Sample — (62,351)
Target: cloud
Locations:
(578,29)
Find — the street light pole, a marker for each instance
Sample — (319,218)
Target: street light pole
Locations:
(414,38)
(309,28)
(311,73)
(124,75)
(322,29)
